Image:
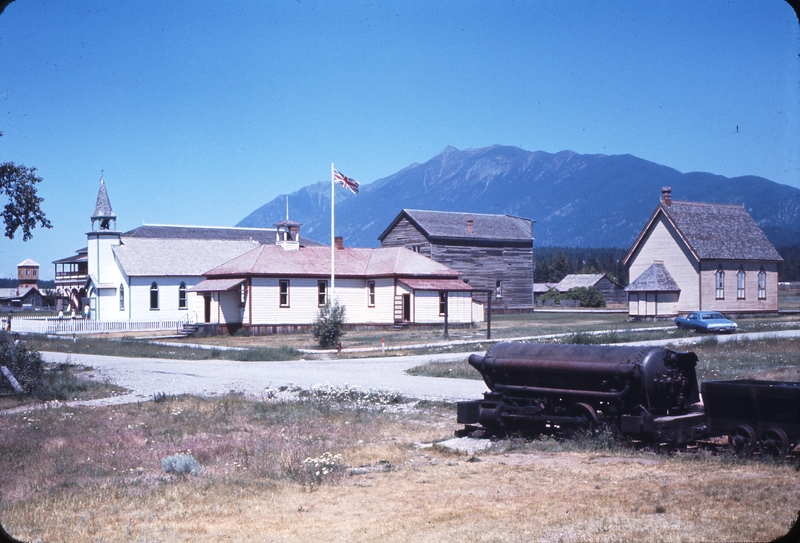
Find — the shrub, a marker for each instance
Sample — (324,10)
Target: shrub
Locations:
(24,363)
(588,296)
(328,327)
(180,464)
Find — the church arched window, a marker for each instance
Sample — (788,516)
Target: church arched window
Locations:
(154,295)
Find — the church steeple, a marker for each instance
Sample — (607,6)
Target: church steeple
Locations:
(102,210)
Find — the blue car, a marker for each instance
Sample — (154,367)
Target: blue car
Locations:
(706,321)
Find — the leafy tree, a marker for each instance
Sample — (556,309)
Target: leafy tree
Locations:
(23,209)
(328,327)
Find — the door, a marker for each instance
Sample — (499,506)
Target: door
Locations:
(206,307)
(406,307)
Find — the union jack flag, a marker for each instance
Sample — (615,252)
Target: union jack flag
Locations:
(345,181)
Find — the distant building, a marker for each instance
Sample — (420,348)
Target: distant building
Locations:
(26,295)
(490,252)
(696,256)
(612,292)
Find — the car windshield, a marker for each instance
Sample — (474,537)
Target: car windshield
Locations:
(712,316)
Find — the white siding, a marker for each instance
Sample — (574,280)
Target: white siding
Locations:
(138,296)
(353,294)
(662,243)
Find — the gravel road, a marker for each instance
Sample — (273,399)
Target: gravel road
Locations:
(145,377)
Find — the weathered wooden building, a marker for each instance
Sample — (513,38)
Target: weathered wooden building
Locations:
(612,292)
(491,253)
(696,256)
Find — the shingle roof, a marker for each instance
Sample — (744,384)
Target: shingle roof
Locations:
(272,260)
(231,233)
(102,208)
(656,278)
(720,232)
(158,256)
(577,280)
(28,262)
(453,225)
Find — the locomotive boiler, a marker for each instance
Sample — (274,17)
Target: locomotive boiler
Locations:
(647,392)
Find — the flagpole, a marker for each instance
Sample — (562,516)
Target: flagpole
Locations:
(332,232)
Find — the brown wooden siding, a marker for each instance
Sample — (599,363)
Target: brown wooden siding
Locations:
(481,265)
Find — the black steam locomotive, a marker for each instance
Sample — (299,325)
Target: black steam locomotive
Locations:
(648,393)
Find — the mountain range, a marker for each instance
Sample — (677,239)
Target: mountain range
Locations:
(576,200)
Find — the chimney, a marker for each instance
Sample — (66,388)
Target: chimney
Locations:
(666,196)
(470,229)
(338,242)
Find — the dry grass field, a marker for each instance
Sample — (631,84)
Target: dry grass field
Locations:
(347,465)
(342,465)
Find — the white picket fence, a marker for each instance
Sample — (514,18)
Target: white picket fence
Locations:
(37,325)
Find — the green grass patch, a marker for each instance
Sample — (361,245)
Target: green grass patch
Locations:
(455,370)
(136,348)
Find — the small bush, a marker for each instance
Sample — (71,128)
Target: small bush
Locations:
(23,362)
(180,464)
(242,332)
(328,327)
(324,466)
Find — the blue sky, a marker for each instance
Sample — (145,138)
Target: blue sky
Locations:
(199,112)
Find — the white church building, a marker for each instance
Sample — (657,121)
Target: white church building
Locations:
(263,279)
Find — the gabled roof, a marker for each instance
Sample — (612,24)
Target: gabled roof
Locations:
(713,232)
(175,256)
(656,278)
(453,225)
(272,260)
(16,293)
(229,233)
(578,280)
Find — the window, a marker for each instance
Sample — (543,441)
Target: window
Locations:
(284,293)
(498,289)
(442,303)
(154,296)
(182,296)
(371,293)
(416,248)
(762,284)
(740,276)
(719,280)
(322,292)
(122,297)
(242,295)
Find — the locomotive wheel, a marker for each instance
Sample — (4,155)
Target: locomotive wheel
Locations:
(742,440)
(775,442)
(587,412)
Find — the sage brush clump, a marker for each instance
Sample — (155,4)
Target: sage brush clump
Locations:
(180,464)
(328,327)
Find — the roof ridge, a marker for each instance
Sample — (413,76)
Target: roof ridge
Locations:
(708,204)
(266,229)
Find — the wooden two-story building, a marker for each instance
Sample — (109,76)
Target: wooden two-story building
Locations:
(492,253)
